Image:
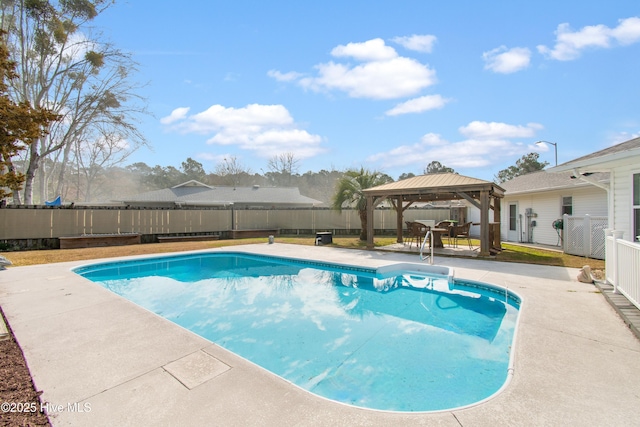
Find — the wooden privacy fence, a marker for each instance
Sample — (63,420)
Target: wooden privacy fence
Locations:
(17,223)
(55,223)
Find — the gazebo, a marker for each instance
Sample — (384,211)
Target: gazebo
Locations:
(485,195)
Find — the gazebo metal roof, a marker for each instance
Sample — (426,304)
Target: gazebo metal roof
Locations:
(440,186)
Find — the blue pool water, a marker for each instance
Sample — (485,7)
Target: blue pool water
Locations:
(398,341)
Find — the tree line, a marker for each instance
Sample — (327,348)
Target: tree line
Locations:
(282,171)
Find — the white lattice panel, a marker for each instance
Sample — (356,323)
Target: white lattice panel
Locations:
(584,236)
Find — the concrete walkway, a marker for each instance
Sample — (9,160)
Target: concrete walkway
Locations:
(101,360)
(629,313)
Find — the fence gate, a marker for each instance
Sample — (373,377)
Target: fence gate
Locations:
(584,235)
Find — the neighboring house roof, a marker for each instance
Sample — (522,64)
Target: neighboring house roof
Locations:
(625,152)
(194,193)
(544,181)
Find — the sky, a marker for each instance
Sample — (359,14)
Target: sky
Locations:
(386,85)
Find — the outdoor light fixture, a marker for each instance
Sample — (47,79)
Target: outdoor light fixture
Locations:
(555,147)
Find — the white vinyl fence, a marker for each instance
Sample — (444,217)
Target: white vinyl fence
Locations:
(622,266)
(584,235)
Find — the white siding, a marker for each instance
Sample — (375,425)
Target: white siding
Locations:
(473,215)
(547,206)
(589,201)
(548,209)
(622,177)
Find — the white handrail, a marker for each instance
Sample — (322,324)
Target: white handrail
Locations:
(424,242)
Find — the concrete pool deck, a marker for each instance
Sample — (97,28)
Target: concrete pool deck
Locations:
(101,360)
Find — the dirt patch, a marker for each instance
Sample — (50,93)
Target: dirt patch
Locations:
(19,400)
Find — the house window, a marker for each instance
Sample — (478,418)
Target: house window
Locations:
(567,205)
(636,207)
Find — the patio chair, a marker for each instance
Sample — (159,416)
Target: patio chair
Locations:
(416,231)
(461,232)
(409,234)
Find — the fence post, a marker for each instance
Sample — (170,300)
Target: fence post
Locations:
(616,235)
(608,254)
(586,231)
(614,262)
(565,226)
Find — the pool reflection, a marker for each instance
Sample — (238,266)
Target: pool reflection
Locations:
(435,302)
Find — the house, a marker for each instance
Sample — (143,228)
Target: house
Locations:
(194,193)
(622,162)
(533,203)
(622,267)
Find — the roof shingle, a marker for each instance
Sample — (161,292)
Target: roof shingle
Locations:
(545,181)
(205,195)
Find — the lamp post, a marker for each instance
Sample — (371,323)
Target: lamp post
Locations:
(555,147)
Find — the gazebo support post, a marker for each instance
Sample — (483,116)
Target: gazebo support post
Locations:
(399,213)
(370,222)
(400,208)
(484,223)
(497,244)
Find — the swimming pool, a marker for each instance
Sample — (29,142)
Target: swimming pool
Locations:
(386,339)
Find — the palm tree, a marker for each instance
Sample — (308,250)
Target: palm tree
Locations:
(349,192)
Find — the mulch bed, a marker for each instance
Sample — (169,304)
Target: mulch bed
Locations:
(19,400)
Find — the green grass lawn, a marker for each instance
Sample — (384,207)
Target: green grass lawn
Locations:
(510,253)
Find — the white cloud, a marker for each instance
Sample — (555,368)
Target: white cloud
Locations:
(381,73)
(77,46)
(284,77)
(418,105)
(486,144)
(506,61)
(371,50)
(252,117)
(418,43)
(265,129)
(628,31)
(618,137)
(492,130)
(431,139)
(570,44)
(469,153)
(177,114)
(395,78)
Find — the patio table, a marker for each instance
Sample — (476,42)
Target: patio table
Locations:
(436,234)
